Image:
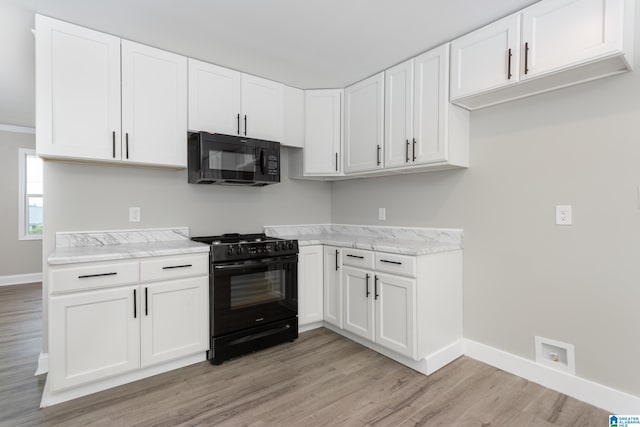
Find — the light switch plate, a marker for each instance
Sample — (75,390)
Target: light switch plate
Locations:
(134,214)
(563,215)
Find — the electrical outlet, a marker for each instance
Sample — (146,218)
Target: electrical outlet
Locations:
(563,215)
(134,214)
(382,214)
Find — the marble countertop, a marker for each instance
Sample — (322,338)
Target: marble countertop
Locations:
(398,240)
(78,247)
(125,251)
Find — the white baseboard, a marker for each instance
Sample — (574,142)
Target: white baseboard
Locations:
(309,326)
(601,396)
(19,279)
(43,364)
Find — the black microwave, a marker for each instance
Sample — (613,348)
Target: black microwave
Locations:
(214,158)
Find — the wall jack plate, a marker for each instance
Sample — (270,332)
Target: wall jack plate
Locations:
(556,355)
(134,214)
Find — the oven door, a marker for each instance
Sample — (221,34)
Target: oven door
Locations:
(254,292)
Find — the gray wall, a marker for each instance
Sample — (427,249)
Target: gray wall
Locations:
(18,256)
(523,275)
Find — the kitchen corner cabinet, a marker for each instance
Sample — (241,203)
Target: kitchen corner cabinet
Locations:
(421,126)
(294,112)
(322,153)
(333,285)
(364,124)
(112,319)
(80,114)
(549,45)
(310,282)
(230,102)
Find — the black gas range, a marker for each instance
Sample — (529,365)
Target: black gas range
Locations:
(253,293)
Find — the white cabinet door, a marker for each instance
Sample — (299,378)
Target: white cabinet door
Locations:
(480,60)
(78,91)
(357,300)
(562,33)
(175,319)
(323,132)
(398,115)
(154,106)
(293,117)
(262,108)
(364,125)
(214,98)
(332,286)
(93,335)
(395,313)
(431,106)
(310,280)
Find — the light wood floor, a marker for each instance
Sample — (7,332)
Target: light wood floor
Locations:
(321,379)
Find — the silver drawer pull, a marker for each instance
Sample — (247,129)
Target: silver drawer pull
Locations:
(355,256)
(391,262)
(87,276)
(177,266)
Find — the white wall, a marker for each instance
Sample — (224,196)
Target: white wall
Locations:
(523,275)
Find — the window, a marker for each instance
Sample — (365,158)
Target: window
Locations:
(30,195)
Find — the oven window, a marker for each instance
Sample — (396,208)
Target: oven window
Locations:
(257,288)
(231,160)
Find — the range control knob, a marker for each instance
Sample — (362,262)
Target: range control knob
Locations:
(239,250)
(276,247)
(230,250)
(291,245)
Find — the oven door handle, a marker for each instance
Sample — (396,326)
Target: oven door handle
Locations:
(255,263)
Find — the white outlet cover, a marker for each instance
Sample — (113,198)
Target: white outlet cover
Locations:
(382,214)
(563,215)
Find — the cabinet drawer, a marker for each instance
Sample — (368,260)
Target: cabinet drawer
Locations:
(357,258)
(174,267)
(93,276)
(396,264)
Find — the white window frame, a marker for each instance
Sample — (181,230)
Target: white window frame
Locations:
(22,195)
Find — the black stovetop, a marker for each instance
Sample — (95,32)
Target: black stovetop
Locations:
(235,247)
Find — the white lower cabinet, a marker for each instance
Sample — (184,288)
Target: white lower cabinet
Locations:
(104,323)
(408,307)
(395,313)
(174,320)
(93,335)
(358,302)
(310,298)
(332,286)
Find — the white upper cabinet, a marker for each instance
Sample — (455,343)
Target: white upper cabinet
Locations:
(398,123)
(80,76)
(550,45)
(78,91)
(293,117)
(421,126)
(364,125)
(486,59)
(262,108)
(214,98)
(432,111)
(154,105)
(562,33)
(322,154)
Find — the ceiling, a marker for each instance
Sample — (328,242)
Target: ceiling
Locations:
(302,43)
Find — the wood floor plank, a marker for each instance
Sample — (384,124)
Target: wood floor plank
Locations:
(322,379)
